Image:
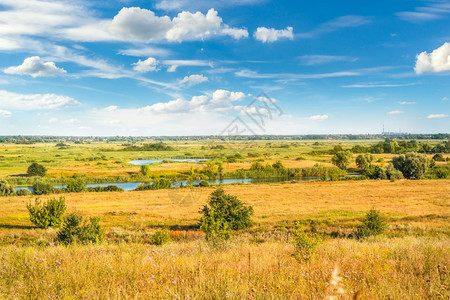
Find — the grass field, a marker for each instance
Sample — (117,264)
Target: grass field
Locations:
(409,261)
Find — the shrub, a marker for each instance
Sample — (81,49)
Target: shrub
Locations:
(48,214)
(75,186)
(161,183)
(145,170)
(223,213)
(203,183)
(305,244)
(342,159)
(412,165)
(373,224)
(23,192)
(6,189)
(77,230)
(438,157)
(42,187)
(161,237)
(36,169)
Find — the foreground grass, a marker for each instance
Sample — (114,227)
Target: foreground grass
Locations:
(402,268)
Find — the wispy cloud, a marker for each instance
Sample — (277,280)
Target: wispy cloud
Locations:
(253,74)
(312,60)
(174,64)
(177,5)
(435,11)
(348,21)
(5,113)
(437,116)
(406,103)
(318,117)
(395,112)
(146,51)
(376,85)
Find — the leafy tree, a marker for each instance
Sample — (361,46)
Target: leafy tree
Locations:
(36,169)
(23,192)
(75,186)
(373,224)
(363,161)
(42,187)
(75,229)
(438,157)
(224,213)
(412,165)
(342,159)
(6,189)
(48,214)
(145,170)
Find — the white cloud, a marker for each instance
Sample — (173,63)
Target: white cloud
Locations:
(312,60)
(35,67)
(146,51)
(177,5)
(437,116)
(347,21)
(395,112)
(15,101)
(376,85)
(236,33)
(252,74)
(436,61)
(268,35)
(444,98)
(148,65)
(193,79)
(174,64)
(5,113)
(406,103)
(432,12)
(318,117)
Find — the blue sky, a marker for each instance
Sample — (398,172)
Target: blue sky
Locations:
(134,67)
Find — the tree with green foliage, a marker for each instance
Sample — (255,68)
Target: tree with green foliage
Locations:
(342,159)
(223,213)
(145,170)
(36,169)
(412,165)
(438,157)
(75,186)
(373,224)
(6,189)
(364,161)
(77,230)
(48,214)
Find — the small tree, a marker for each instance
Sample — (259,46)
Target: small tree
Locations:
(364,161)
(36,169)
(438,157)
(145,170)
(6,189)
(342,159)
(75,186)
(48,214)
(373,224)
(412,165)
(75,229)
(223,213)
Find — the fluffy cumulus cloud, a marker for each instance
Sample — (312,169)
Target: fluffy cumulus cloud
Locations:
(436,61)
(15,101)
(193,79)
(148,65)
(268,35)
(318,117)
(35,67)
(437,116)
(134,23)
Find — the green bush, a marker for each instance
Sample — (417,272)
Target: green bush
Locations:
(48,214)
(342,159)
(223,213)
(23,192)
(161,183)
(77,230)
(42,187)
(161,237)
(6,189)
(373,224)
(438,157)
(203,183)
(36,169)
(412,165)
(75,186)
(305,244)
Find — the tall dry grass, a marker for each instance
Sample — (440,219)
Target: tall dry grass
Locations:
(403,268)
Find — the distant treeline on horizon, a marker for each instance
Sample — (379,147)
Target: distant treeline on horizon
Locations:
(23,139)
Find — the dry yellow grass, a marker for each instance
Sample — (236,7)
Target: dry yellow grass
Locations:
(426,202)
